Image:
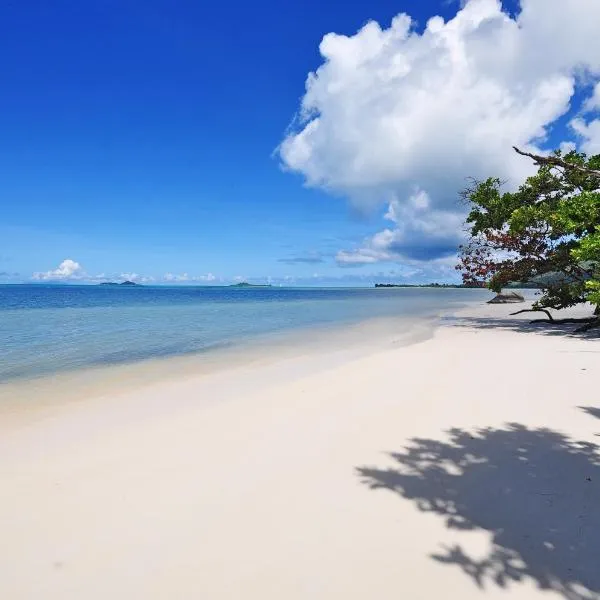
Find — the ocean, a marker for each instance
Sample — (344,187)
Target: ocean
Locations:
(48,329)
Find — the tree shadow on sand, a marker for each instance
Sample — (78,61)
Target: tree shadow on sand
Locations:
(535,490)
(591,410)
(526,326)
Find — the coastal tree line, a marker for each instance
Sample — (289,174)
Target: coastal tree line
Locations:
(547,233)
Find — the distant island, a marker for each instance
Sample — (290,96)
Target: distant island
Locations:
(245,284)
(126,283)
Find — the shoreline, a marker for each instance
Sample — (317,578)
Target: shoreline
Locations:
(302,477)
(326,345)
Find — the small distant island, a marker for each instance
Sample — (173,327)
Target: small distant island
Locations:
(245,284)
(126,283)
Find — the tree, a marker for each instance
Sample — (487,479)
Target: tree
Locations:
(547,232)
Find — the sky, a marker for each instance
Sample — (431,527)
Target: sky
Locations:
(312,143)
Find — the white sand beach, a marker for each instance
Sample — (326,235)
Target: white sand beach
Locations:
(461,466)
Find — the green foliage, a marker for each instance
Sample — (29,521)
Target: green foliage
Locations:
(548,232)
(593,292)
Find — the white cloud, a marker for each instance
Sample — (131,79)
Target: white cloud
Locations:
(136,278)
(67,270)
(361,256)
(593,102)
(70,270)
(589,132)
(586,127)
(566,147)
(390,111)
(184,277)
(414,220)
(173,277)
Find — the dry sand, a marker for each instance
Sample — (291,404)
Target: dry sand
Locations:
(462,466)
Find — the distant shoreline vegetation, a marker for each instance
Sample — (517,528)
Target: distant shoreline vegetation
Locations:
(527,286)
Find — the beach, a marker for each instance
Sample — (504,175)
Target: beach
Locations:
(459,463)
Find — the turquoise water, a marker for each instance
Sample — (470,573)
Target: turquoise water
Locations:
(47,329)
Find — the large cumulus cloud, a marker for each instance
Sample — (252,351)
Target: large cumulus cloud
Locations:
(395,114)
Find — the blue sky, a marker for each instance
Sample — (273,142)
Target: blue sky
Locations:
(141,138)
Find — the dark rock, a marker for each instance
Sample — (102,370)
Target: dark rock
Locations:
(507,298)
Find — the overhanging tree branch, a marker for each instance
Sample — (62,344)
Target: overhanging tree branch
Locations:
(550,317)
(543,232)
(557,162)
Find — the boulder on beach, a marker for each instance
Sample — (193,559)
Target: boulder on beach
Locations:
(506,298)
